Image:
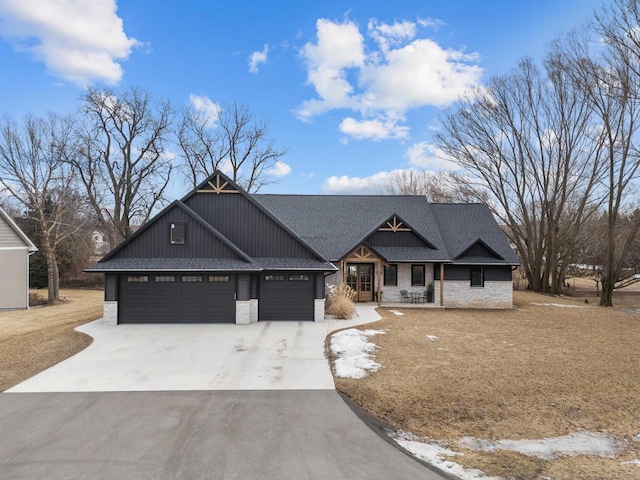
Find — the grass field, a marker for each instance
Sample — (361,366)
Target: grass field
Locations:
(534,372)
(36,339)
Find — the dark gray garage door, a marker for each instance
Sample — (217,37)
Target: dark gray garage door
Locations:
(176,298)
(286,296)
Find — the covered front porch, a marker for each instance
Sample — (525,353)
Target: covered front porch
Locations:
(388,283)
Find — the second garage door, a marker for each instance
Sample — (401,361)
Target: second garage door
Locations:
(176,298)
(286,296)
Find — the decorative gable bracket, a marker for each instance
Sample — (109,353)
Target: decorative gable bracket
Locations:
(220,186)
(394,224)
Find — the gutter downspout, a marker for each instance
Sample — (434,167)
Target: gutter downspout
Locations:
(442,284)
(28,256)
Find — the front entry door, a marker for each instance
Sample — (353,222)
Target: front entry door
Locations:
(360,278)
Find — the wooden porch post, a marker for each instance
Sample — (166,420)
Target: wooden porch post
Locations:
(442,284)
(379,265)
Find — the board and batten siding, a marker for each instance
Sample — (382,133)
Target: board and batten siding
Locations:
(111,287)
(492,273)
(154,242)
(396,239)
(248,227)
(243,288)
(319,292)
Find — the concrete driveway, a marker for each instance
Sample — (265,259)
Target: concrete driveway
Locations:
(261,356)
(248,435)
(168,402)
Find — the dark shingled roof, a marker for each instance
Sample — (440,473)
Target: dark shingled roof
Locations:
(208,265)
(463,224)
(331,226)
(335,224)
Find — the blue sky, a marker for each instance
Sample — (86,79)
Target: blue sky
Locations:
(353,89)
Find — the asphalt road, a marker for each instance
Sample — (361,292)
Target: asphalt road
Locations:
(302,434)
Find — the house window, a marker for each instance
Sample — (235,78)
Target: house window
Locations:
(417,275)
(165,278)
(137,278)
(274,278)
(298,278)
(192,279)
(219,279)
(177,233)
(391,275)
(477,277)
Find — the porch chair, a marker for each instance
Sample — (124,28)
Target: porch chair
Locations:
(404,296)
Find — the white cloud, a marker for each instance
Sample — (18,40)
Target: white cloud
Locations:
(373,129)
(206,107)
(280,169)
(434,23)
(339,47)
(429,156)
(257,58)
(79,41)
(358,185)
(382,79)
(387,35)
(417,75)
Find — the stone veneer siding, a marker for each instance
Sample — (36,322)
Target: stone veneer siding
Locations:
(110,313)
(243,312)
(392,293)
(318,310)
(457,293)
(460,294)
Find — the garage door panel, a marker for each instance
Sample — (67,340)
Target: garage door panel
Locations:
(176,302)
(282,298)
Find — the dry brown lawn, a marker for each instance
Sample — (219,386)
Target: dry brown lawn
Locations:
(33,340)
(529,373)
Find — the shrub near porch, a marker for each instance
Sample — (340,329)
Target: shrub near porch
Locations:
(536,372)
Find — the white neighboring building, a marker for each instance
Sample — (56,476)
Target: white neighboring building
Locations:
(15,248)
(101,244)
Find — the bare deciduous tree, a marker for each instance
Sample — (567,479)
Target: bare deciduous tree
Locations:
(607,72)
(527,140)
(123,164)
(438,187)
(34,169)
(236,141)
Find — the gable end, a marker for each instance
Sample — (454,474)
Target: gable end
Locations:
(479,249)
(245,221)
(216,185)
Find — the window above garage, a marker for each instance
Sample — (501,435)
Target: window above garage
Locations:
(177,233)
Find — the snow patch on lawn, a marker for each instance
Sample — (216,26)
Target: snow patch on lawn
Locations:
(396,312)
(432,337)
(632,462)
(434,454)
(353,353)
(561,305)
(579,443)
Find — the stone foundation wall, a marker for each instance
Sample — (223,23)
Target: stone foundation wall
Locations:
(459,294)
(318,310)
(110,313)
(243,312)
(253,310)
